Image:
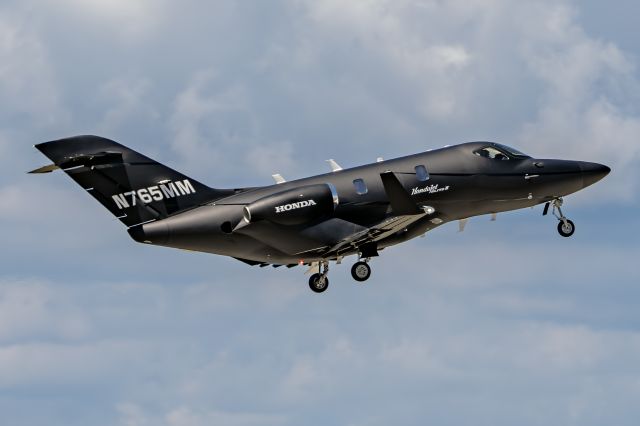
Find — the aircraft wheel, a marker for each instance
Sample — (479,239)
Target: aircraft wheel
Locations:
(566,229)
(360,271)
(318,283)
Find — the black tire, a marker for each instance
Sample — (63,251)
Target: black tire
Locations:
(317,285)
(360,271)
(566,229)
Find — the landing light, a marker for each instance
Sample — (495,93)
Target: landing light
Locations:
(428,209)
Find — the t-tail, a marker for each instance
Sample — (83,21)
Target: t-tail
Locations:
(134,188)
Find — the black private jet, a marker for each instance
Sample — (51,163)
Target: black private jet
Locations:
(319,219)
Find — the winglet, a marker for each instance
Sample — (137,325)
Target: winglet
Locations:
(400,200)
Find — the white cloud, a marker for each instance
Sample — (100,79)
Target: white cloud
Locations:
(55,364)
(134,415)
(127,97)
(29,309)
(266,160)
(581,114)
(388,33)
(217,129)
(66,206)
(28,84)
(194,119)
(128,21)
(420,358)
(570,348)
(184,416)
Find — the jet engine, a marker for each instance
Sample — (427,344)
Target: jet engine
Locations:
(294,206)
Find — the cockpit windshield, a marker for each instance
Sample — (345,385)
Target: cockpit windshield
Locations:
(496,151)
(511,151)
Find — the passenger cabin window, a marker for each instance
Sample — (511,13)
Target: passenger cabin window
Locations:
(361,187)
(421,173)
(490,152)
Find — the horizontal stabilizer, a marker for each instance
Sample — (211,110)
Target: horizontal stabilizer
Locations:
(90,159)
(45,169)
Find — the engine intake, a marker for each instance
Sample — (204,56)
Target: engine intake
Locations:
(294,206)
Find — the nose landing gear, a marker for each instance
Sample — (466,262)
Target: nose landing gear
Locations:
(566,228)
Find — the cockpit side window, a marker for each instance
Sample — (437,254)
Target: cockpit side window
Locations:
(491,152)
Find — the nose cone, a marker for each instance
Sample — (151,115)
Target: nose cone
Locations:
(592,172)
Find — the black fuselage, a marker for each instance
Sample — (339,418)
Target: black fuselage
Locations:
(462,181)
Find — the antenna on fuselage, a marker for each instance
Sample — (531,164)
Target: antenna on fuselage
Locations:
(335,167)
(278,178)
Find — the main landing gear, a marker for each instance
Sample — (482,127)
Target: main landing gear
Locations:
(319,281)
(361,271)
(566,228)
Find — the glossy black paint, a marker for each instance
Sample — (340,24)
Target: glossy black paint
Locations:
(461,184)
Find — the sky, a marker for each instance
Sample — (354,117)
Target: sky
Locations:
(506,323)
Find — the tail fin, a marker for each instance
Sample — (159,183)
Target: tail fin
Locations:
(134,188)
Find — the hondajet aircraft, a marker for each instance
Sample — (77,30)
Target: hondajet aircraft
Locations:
(319,219)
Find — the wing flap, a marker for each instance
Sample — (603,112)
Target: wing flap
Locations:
(373,234)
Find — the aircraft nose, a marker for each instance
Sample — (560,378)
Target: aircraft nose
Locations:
(593,172)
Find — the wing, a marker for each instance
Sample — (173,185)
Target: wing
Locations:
(404,214)
(333,238)
(346,237)
(367,237)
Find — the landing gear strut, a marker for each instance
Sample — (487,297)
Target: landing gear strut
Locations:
(361,271)
(319,282)
(566,228)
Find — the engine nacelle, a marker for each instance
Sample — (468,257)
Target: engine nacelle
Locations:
(294,206)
